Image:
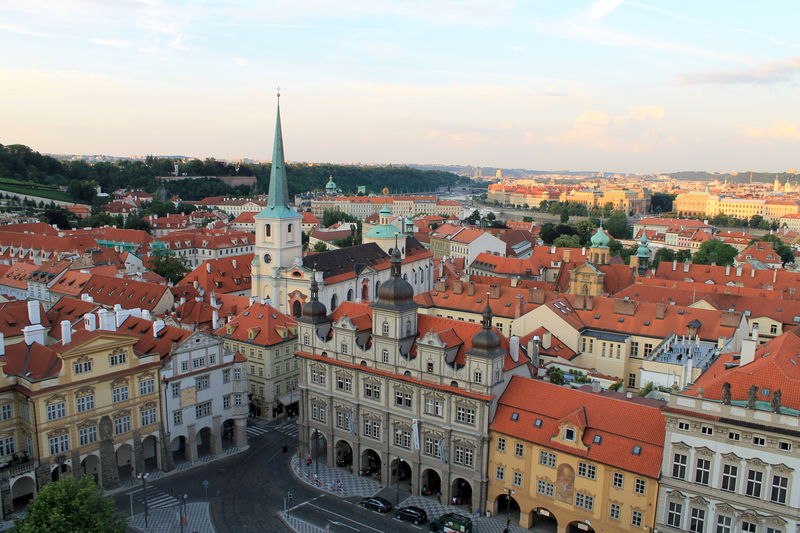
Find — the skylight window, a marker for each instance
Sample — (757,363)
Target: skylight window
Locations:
(537,423)
(597,439)
(514,416)
(637,450)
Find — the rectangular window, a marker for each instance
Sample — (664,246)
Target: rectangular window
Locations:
(148,417)
(679,465)
(780,486)
(226,401)
(733,435)
(120,394)
(372,429)
(372,390)
(202,409)
(697,521)
(184,366)
(518,479)
(147,386)
(587,470)
(759,441)
(748,527)
(547,459)
(501,444)
(56,411)
(201,382)
(59,444)
(674,513)
(122,425)
(176,389)
(84,403)
(683,426)
(614,511)
(226,376)
(465,415)
(177,418)
(433,407)
(641,486)
(724,524)
(754,480)
(545,487)
(117,359)
(237,373)
(648,348)
(519,449)
(618,480)
(631,380)
(703,471)
(500,473)
(478,377)
(634,349)
(402,438)
(82,367)
(7,446)
(463,456)
(636,518)
(344,384)
(430,447)
(729,474)
(584,501)
(200,362)
(402,399)
(706,430)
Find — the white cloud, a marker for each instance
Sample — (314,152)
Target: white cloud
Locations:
(770,72)
(780,131)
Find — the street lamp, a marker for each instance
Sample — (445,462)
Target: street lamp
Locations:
(182,505)
(143,478)
(508,511)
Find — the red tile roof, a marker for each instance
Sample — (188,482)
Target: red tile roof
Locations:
(129,294)
(222,276)
(14,317)
(620,424)
(772,279)
(259,324)
(33,362)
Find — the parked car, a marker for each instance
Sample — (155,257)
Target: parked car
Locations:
(452,523)
(376,503)
(412,514)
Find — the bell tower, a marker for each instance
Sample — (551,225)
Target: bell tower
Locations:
(278,243)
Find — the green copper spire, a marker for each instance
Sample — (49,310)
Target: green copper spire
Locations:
(278,201)
(278,189)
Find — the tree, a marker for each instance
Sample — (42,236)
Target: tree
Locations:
(661,202)
(57,216)
(168,265)
(564,216)
(617,225)
(683,255)
(556,375)
(137,223)
(662,254)
(70,505)
(567,241)
(319,246)
(716,252)
(548,233)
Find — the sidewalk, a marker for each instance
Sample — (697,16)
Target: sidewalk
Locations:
(198,520)
(132,483)
(326,477)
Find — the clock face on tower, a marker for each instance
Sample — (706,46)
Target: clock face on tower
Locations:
(267,258)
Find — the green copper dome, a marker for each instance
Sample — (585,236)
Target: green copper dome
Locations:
(643,250)
(385,211)
(600,239)
(330,186)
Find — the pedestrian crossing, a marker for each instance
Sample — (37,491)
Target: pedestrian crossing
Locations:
(255,431)
(156,498)
(287,428)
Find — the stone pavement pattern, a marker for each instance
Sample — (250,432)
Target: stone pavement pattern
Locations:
(481,524)
(352,485)
(198,519)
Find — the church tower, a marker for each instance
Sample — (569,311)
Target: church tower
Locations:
(278,243)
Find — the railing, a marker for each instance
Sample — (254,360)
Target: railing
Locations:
(19,469)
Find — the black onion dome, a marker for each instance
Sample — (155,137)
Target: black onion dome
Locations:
(314,310)
(396,293)
(487,341)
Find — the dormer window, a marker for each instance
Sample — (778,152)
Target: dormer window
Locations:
(385,327)
(569,434)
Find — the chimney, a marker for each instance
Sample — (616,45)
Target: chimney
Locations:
(752,272)
(213,300)
(252,300)
(518,306)
(513,348)
(661,310)
(533,351)
(596,387)
(158,325)
(535,296)
(547,338)
(686,266)
(738,271)
(567,254)
(774,275)
(471,288)
(624,307)
(674,265)
(33,333)
(553,249)
(727,270)
(235,264)
(33,312)
(215,319)
(2,345)
(494,291)
(89,321)
(182,300)
(748,353)
(106,320)
(146,315)
(208,266)
(583,251)
(66,332)
(440,285)
(458,287)
(514,282)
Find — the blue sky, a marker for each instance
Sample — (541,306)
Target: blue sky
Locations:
(608,85)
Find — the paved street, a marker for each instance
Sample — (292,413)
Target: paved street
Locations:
(246,492)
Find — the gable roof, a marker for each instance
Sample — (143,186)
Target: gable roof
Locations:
(14,317)
(259,324)
(34,362)
(224,275)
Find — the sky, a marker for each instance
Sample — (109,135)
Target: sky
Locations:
(613,85)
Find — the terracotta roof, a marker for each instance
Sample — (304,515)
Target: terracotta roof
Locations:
(206,239)
(222,276)
(772,279)
(246,217)
(68,308)
(760,251)
(14,317)
(147,344)
(33,362)
(18,274)
(129,294)
(508,303)
(670,222)
(259,324)
(776,367)
(71,283)
(37,228)
(309,218)
(331,235)
(107,233)
(620,424)
(557,347)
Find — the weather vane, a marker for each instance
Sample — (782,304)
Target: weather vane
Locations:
(279,92)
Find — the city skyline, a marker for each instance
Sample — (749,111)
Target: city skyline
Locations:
(623,86)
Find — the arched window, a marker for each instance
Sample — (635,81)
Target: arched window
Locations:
(454,384)
(350,295)
(414,270)
(297,309)
(408,326)
(268,230)
(289,228)
(377,285)
(407,374)
(385,327)
(365,291)
(334,302)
